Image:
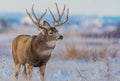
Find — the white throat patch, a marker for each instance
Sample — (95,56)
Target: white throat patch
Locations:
(47,52)
(51,43)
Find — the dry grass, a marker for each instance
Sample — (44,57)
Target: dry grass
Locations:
(104,53)
(72,52)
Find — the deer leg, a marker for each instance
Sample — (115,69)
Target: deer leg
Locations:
(42,71)
(29,69)
(17,67)
(24,72)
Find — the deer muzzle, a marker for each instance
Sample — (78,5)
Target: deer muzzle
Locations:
(60,37)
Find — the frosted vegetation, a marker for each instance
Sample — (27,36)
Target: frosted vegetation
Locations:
(75,58)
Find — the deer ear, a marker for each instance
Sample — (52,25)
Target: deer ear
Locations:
(46,24)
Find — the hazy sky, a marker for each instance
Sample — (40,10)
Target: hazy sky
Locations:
(98,7)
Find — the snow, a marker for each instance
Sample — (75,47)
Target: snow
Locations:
(64,70)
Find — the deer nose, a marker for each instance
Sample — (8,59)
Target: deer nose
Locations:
(61,37)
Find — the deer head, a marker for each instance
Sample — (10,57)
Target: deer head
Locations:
(50,32)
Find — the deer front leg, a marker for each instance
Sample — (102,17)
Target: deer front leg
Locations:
(17,67)
(42,71)
(29,69)
(24,72)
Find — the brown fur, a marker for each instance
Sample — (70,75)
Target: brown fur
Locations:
(28,49)
(33,51)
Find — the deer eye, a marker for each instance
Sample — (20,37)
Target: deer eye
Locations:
(50,32)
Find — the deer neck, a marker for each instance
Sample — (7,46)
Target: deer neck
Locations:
(40,47)
(40,43)
(51,43)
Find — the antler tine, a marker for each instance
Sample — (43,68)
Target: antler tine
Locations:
(52,15)
(30,17)
(34,13)
(63,11)
(60,15)
(57,22)
(57,10)
(42,16)
(36,20)
(66,19)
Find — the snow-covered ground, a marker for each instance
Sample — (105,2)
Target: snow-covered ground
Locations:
(61,69)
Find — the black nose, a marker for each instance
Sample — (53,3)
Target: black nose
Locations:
(61,37)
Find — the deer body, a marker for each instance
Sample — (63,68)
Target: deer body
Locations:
(30,49)
(35,51)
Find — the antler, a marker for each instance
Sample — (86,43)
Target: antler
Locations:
(36,20)
(57,22)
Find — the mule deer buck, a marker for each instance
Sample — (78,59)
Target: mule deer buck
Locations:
(35,51)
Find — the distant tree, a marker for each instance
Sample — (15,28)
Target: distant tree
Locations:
(118,27)
(5,23)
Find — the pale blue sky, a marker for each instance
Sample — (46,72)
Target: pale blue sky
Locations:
(97,7)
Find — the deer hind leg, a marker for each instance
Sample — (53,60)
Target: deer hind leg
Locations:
(29,69)
(17,67)
(42,71)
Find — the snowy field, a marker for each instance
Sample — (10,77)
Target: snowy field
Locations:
(74,58)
